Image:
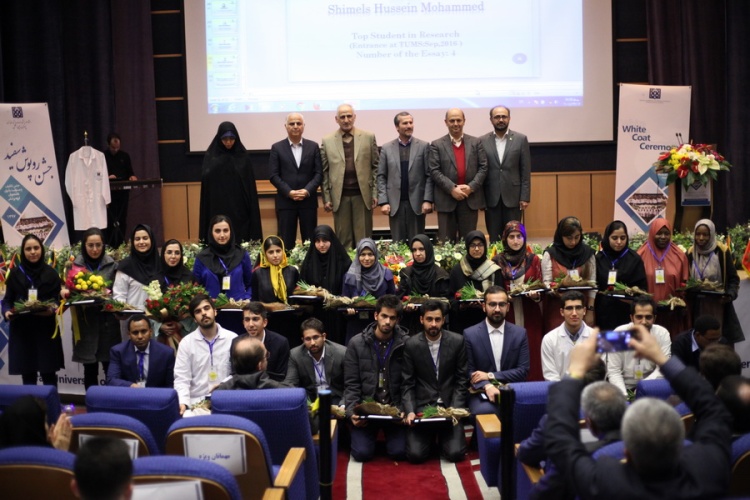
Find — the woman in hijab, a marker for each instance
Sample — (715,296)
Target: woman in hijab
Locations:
(424,277)
(137,270)
(33,346)
(94,332)
(568,255)
(616,263)
(24,423)
(709,259)
(223,266)
(275,279)
(326,262)
(666,270)
(519,265)
(366,275)
(174,272)
(473,268)
(228,186)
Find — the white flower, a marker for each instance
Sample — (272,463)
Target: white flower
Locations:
(457,256)
(438,257)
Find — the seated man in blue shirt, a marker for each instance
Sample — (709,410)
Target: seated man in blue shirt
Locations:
(140,361)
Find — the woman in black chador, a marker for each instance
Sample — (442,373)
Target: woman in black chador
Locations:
(228,186)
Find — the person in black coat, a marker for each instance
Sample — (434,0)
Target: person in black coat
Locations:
(33,346)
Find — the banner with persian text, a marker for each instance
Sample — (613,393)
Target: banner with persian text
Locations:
(652,119)
(30,193)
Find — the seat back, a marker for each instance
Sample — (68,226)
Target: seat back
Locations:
(614,450)
(217,483)
(258,473)
(740,482)
(156,408)
(269,408)
(113,425)
(48,393)
(531,405)
(657,388)
(36,472)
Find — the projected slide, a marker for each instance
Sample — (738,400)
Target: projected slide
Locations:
(279,55)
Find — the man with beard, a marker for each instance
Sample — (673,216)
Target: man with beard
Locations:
(507,188)
(203,357)
(255,319)
(317,364)
(140,361)
(434,374)
(496,350)
(372,371)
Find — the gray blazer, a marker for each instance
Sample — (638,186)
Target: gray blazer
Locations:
(444,173)
(420,385)
(509,179)
(389,175)
(301,373)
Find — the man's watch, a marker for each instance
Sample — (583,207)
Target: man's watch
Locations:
(490,376)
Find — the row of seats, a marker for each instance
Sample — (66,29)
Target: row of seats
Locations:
(273,423)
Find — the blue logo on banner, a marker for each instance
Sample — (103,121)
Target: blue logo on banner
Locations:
(17,111)
(654,93)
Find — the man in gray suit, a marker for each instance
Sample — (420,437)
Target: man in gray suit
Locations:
(404,183)
(507,188)
(317,364)
(434,374)
(350,166)
(458,166)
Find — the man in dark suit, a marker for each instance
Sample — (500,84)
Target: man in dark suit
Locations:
(688,345)
(295,170)
(507,188)
(434,374)
(658,464)
(404,182)
(255,319)
(140,361)
(317,363)
(496,350)
(458,166)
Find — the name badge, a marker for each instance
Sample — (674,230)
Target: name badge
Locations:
(213,375)
(612,277)
(226,283)
(573,273)
(638,372)
(33,294)
(660,277)
(141,383)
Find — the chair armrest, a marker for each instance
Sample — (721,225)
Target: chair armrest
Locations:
(334,428)
(489,425)
(290,466)
(534,473)
(274,494)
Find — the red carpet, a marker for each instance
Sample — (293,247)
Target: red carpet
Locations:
(383,479)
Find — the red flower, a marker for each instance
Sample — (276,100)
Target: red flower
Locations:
(665,156)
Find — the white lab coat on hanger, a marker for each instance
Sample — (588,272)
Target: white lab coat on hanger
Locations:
(87,184)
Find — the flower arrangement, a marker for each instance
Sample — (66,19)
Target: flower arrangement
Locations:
(449,254)
(298,253)
(171,305)
(691,163)
(88,285)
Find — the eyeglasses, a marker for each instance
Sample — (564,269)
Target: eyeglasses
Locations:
(496,305)
(476,245)
(643,317)
(574,308)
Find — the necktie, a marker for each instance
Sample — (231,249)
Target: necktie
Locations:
(141,355)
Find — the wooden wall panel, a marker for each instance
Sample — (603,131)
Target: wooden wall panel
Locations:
(175,202)
(192,209)
(602,200)
(574,197)
(541,216)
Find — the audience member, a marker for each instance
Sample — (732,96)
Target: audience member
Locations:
(734,392)
(434,374)
(658,464)
(688,345)
(203,357)
(141,361)
(317,364)
(497,351)
(249,362)
(372,371)
(24,423)
(557,344)
(718,361)
(255,320)
(103,470)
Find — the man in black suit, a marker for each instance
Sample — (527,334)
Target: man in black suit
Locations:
(296,171)
(255,319)
(658,464)
(458,166)
(688,345)
(140,361)
(317,364)
(507,188)
(434,374)
(496,350)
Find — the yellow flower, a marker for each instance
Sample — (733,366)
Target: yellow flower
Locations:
(84,287)
(95,286)
(80,273)
(78,287)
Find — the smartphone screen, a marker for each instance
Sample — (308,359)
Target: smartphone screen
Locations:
(613,341)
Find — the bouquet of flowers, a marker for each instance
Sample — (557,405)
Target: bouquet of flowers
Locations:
(298,253)
(34,306)
(469,292)
(455,414)
(447,254)
(620,288)
(86,285)
(172,305)
(224,302)
(691,163)
(529,286)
